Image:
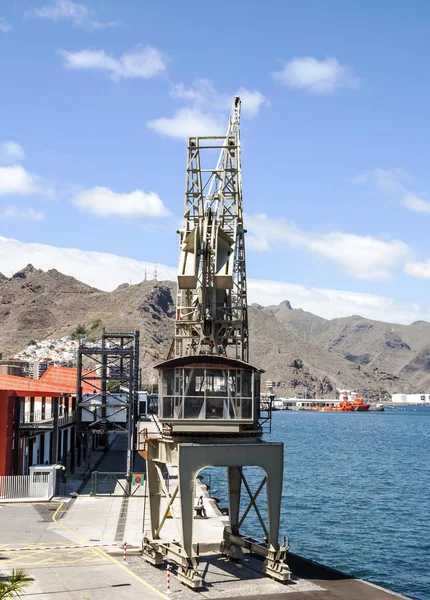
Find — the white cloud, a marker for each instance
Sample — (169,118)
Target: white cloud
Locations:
(21,214)
(186,122)
(107,271)
(363,257)
(206,110)
(5,26)
(141,63)
(332,304)
(66,10)
(415,203)
(394,182)
(16,180)
(101,270)
(103,202)
(252,101)
(204,95)
(316,76)
(387,181)
(11,151)
(419,269)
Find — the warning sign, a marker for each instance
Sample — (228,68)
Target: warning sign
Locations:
(137,479)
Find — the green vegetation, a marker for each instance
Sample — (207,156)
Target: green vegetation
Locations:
(114,386)
(79,332)
(14,585)
(96,323)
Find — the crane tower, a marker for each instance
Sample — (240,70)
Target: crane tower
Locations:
(211,304)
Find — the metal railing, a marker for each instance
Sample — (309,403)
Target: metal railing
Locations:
(66,419)
(37,416)
(109,484)
(44,418)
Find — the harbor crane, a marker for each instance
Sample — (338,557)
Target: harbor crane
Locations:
(209,394)
(212,312)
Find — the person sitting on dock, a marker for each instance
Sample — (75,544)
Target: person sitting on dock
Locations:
(200,508)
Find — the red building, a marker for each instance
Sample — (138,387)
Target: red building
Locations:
(37,420)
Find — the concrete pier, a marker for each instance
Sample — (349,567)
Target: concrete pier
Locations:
(72,549)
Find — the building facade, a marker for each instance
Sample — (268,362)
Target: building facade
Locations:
(37,420)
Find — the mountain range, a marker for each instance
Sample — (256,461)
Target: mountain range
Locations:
(302,352)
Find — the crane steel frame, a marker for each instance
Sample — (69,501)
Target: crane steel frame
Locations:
(212,313)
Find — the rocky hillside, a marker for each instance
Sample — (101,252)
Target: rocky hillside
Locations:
(386,348)
(303,352)
(35,304)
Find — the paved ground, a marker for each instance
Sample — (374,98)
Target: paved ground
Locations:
(225,579)
(64,573)
(77,573)
(90,573)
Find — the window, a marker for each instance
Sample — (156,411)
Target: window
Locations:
(193,393)
(193,407)
(216,383)
(247,384)
(194,382)
(167,407)
(168,382)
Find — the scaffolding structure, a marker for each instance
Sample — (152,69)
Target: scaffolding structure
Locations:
(112,370)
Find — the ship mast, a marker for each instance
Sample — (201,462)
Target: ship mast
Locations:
(211,315)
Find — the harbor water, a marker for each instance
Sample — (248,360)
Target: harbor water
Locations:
(356,493)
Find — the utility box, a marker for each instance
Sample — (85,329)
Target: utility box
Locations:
(43,480)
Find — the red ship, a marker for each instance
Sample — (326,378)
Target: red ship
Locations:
(357,405)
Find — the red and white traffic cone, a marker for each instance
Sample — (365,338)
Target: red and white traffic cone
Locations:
(168,579)
(125,553)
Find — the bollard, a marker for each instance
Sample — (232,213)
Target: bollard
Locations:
(125,553)
(168,579)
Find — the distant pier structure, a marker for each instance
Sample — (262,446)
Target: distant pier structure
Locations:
(209,394)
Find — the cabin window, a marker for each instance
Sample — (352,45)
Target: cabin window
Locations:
(207,394)
(168,382)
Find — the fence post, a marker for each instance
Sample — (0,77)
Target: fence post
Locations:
(94,483)
(168,579)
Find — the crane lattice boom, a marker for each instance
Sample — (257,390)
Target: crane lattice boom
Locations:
(211,315)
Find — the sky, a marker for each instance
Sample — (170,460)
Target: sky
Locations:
(98,99)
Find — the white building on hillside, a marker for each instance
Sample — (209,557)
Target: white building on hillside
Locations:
(410,398)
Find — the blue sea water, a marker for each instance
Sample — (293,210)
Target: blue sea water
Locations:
(356,493)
